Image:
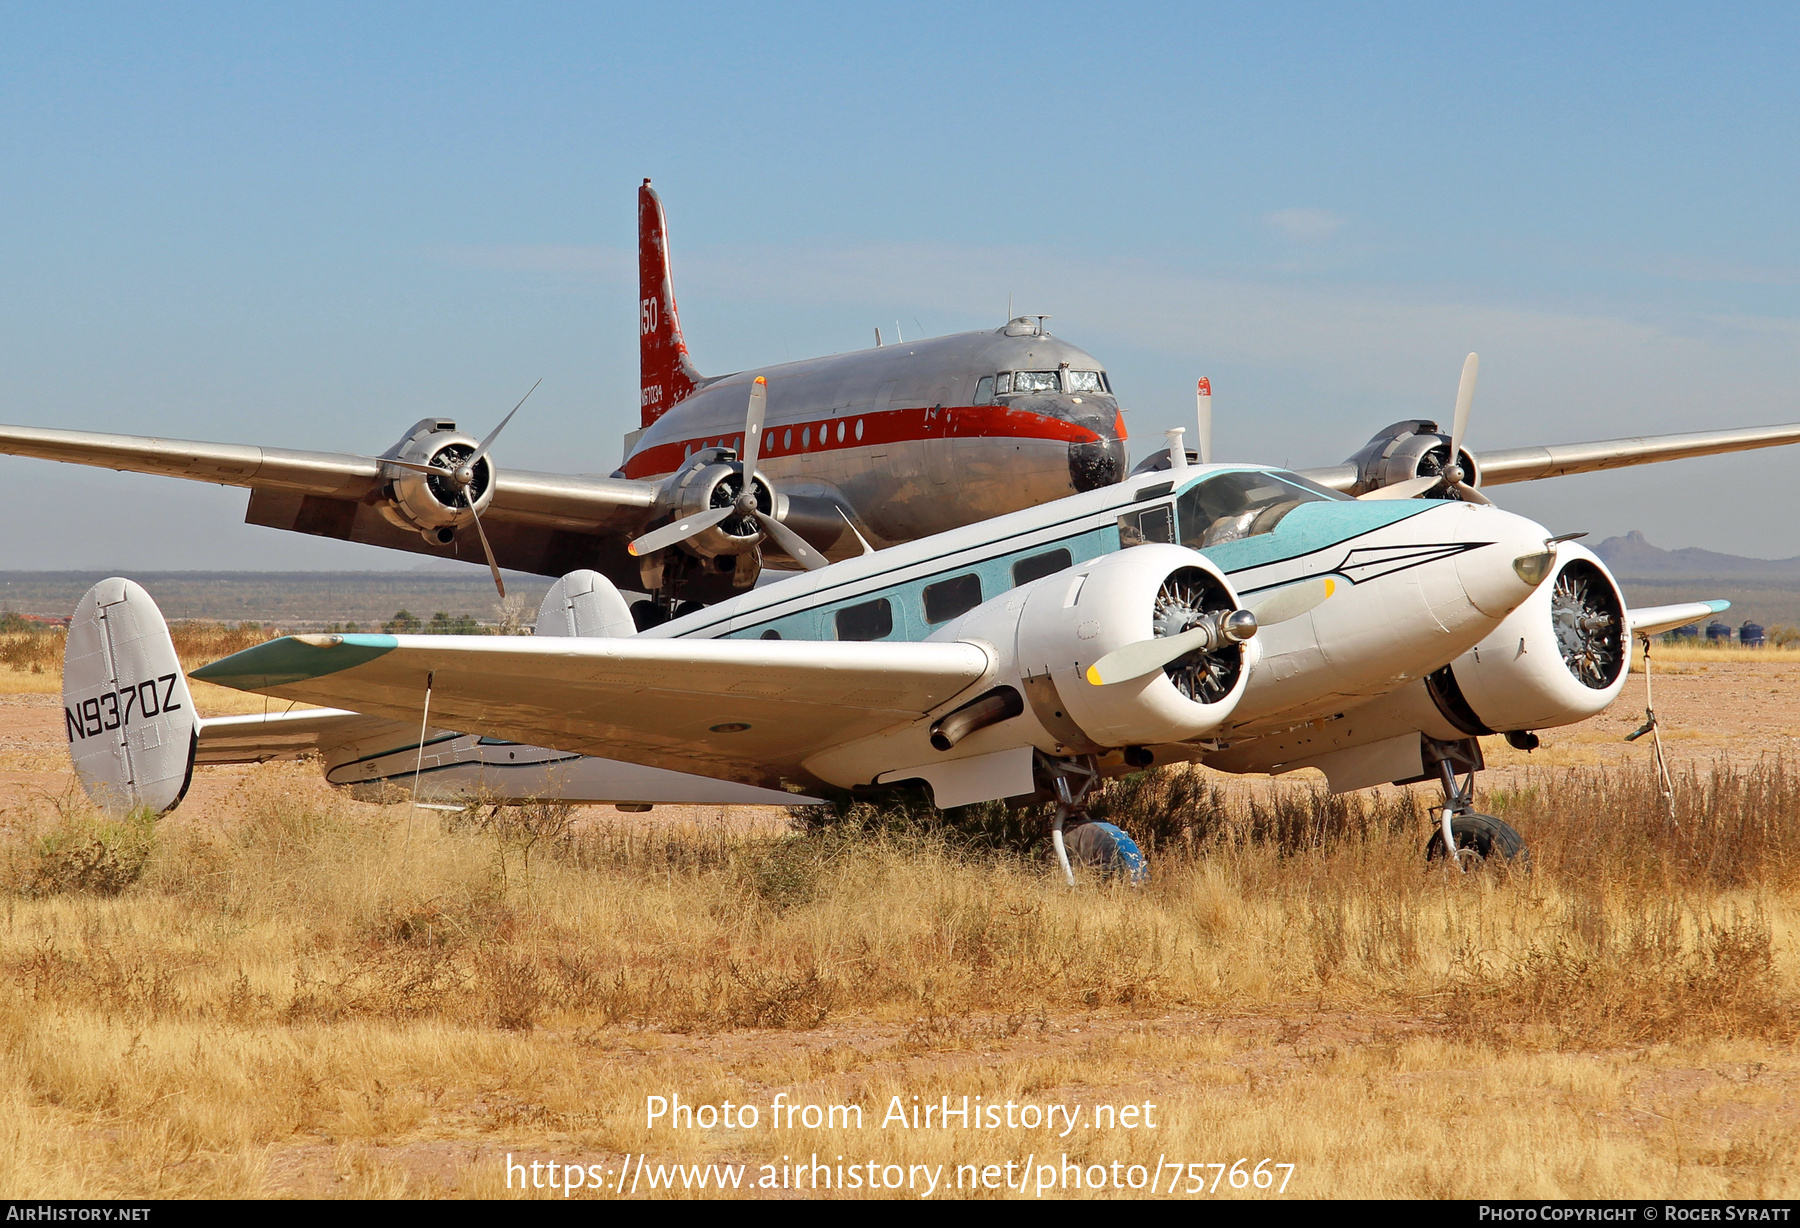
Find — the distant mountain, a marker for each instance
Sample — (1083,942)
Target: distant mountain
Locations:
(1633,558)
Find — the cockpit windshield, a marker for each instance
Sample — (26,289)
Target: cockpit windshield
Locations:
(1035,381)
(1231,506)
(1082,381)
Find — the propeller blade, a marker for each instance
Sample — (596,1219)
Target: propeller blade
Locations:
(792,544)
(1465,398)
(487,550)
(1404,490)
(753,426)
(1146,656)
(1293,600)
(495,433)
(1469,494)
(1203,398)
(861,540)
(680,531)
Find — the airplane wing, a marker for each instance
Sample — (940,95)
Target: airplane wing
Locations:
(538,522)
(745,710)
(1505,465)
(1650,620)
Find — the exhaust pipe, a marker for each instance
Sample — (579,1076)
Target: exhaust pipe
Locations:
(1000,704)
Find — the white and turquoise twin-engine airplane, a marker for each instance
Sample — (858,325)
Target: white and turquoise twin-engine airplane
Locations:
(1238,616)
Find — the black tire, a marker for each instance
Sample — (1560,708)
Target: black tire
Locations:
(1483,835)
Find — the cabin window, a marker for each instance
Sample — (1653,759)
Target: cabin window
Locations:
(1083,381)
(1232,506)
(1152,524)
(984,390)
(1035,381)
(1003,383)
(806,438)
(840,432)
(872,620)
(687,452)
(787,438)
(1040,565)
(948,598)
(859,428)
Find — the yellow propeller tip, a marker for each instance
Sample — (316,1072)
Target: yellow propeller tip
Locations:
(1093,676)
(631,549)
(761,380)
(1330,587)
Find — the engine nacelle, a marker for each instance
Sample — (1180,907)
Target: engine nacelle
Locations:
(1407,450)
(707,482)
(1559,658)
(1069,620)
(435,506)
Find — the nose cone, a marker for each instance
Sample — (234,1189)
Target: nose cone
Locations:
(1099,461)
(1500,576)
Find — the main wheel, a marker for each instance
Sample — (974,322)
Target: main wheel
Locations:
(1484,836)
(1107,850)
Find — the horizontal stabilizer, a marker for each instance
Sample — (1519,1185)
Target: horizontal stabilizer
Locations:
(1655,619)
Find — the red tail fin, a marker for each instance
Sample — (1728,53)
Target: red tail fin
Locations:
(668,377)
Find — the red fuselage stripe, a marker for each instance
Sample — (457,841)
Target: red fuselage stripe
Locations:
(894,426)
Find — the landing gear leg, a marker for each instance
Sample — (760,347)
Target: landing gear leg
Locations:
(1071,802)
(1467,838)
(1074,835)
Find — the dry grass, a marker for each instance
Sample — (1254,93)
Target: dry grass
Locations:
(325,997)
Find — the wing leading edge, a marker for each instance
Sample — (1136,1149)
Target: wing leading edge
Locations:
(747,710)
(1505,465)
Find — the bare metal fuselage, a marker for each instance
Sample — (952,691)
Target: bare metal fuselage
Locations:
(898,434)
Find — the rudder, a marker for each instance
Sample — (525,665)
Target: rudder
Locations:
(126,707)
(666,374)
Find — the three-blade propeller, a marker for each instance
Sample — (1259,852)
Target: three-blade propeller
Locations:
(1214,631)
(462,477)
(791,543)
(1452,476)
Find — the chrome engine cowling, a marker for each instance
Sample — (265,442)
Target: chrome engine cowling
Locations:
(1559,658)
(435,506)
(1048,634)
(1406,450)
(706,483)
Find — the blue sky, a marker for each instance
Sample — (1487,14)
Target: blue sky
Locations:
(311,226)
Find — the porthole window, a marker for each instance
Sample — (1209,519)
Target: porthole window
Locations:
(687,452)
(787,438)
(859,428)
(840,432)
(806,438)
(872,620)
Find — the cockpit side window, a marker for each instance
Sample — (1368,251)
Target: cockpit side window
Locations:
(1003,383)
(1035,381)
(984,391)
(1232,506)
(1083,381)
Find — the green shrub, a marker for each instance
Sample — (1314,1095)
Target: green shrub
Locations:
(100,855)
